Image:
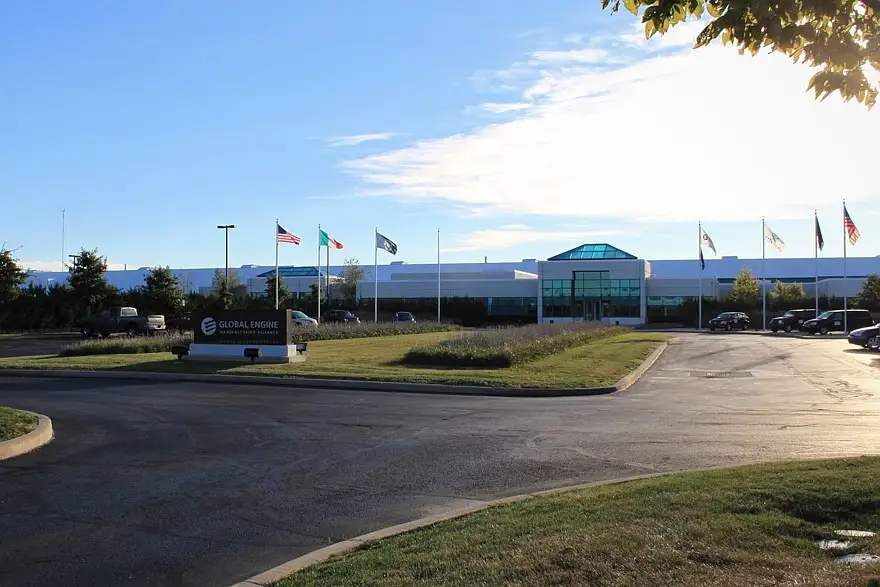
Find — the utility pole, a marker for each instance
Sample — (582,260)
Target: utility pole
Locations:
(226,227)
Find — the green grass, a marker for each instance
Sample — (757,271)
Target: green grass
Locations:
(15,423)
(753,526)
(378,359)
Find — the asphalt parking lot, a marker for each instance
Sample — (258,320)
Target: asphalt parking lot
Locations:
(24,345)
(204,485)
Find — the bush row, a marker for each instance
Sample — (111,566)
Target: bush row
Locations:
(505,347)
(126,345)
(163,342)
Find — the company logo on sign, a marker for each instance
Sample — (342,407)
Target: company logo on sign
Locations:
(209,326)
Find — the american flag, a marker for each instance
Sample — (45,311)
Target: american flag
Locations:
(286,237)
(850,227)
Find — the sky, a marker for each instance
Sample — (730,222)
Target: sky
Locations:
(519,130)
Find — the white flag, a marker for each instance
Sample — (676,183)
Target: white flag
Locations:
(773,238)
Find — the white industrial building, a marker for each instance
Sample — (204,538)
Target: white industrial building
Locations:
(591,281)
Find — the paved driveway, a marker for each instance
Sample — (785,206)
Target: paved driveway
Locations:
(172,485)
(23,345)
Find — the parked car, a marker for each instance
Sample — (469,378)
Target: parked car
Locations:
(866,337)
(729,321)
(113,320)
(301,319)
(832,321)
(340,316)
(404,317)
(791,320)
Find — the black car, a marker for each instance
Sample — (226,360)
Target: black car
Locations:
(404,317)
(791,320)
(866,337)
(729,321)
(341,317)
(832,321)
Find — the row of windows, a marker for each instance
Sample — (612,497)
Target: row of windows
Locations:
(617,308)
(667,301)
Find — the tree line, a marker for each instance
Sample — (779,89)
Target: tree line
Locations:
(62,306)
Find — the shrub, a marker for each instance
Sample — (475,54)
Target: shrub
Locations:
(337,331)
(505,347)
(126,345)
(163,342)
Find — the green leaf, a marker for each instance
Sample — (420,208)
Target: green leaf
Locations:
(725,37)
(632,6)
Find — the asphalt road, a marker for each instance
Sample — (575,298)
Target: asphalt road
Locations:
(204,485)
(24,345)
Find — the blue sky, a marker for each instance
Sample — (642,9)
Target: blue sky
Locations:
(517,129)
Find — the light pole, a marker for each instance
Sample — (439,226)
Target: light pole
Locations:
(226,227)
(75,259)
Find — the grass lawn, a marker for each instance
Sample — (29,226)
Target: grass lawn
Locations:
(753,526)
(596,364)
(14,423)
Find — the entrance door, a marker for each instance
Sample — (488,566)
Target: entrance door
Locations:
(592,310)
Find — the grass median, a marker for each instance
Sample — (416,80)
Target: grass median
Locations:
(15,423)
(600,363)
(746,526)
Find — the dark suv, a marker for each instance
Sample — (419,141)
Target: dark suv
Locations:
(729,321)
(340,316)
(833,321)
(791,320)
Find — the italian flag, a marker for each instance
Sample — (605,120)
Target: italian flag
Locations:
(327,241)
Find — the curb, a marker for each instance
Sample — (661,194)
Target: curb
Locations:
(275,574)
(33,440)
(345,384)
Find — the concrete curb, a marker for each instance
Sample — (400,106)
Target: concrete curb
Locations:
(283,570)
(345,384)
(33,440)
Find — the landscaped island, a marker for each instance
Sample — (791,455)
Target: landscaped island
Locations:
(538,356)
(15,423)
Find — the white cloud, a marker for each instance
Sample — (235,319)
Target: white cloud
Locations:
(518,234)
(351,140)
(693,134)
(501,108)
(574,56)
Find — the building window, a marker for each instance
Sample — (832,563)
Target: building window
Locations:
(592,295)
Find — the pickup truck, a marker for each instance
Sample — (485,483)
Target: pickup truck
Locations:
(113,320)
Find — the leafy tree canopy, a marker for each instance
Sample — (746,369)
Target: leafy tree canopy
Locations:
(12,277)
(87,281)
(837,36)
(352,273)
(788,292)
(869,297)
(283,292)
(162,290)
(746,288)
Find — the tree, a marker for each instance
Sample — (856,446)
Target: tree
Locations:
(869,297)
(162,290)
(788,293)
(283,292)
(746,288)
(352,273)
(87,283)
(839,36)
(218,283)
(12,277)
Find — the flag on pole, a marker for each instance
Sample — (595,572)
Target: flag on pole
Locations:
(286,237)
(820,242)
(383,242)
(326,240)
(702,260)
(850,227)
(708,241)
(773,238)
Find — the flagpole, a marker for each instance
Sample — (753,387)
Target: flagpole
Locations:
(438,276)
(376,276)
(700,277)
(276,263)
(816,249)
(319,274)
(763,274)
(845,238)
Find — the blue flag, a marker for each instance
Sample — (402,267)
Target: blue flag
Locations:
(702,260)
(385,243)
